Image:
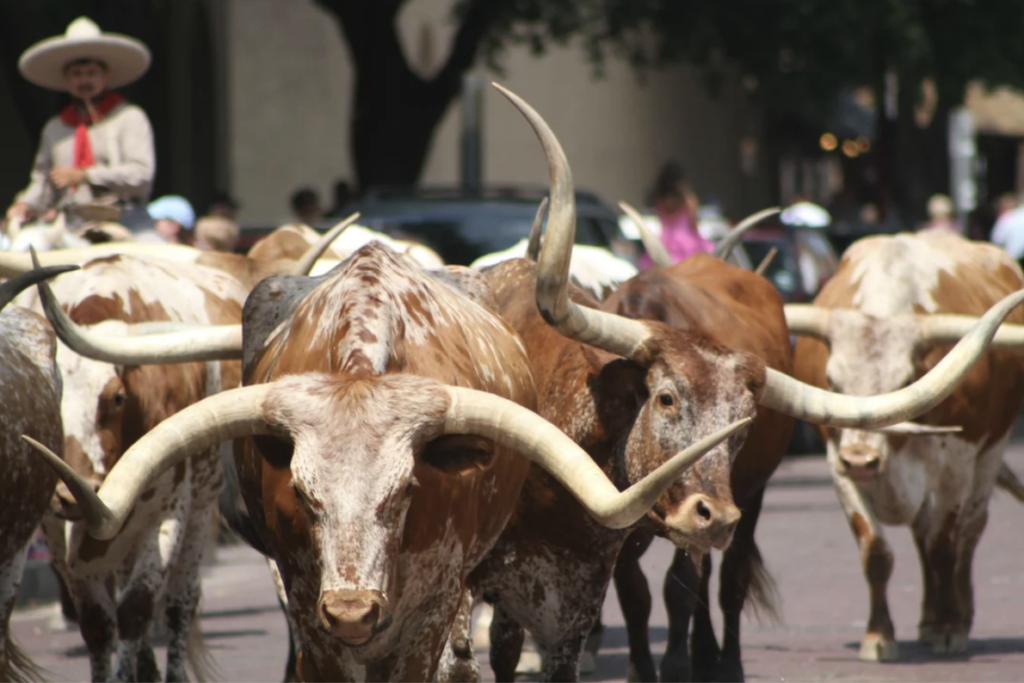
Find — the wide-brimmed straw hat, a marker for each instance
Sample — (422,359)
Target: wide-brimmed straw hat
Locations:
(126,58)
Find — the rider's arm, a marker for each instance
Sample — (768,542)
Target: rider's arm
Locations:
(133,175)
(39,193)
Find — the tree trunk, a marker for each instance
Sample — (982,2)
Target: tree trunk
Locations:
(393,123)
(396,111)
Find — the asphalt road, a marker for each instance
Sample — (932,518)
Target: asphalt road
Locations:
(807,546)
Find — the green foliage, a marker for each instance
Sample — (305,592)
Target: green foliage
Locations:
(794,55)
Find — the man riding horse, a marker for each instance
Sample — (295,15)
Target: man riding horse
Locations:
(98,150)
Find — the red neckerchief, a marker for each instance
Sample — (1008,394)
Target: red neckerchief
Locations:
(71,116)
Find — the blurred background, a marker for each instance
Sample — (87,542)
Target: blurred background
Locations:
(308,108)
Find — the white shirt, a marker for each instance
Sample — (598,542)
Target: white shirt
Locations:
(1009,232)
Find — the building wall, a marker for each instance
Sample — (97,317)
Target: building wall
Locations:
(289,83)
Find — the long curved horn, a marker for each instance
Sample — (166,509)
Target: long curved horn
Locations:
(607,331)
(313,254)
(949,329)
(792,397)
(13,264)
(729,242)
(533,246)
(513,426)
(654,246)
(222,417)
(807,319)
(213,342)
(15,286)
(914,428)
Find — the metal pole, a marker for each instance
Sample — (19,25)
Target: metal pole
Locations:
(472,144)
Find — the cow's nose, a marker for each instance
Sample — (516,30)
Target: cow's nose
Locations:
(705,521)
(353,616)
(860,460)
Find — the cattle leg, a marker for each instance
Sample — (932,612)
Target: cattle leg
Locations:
(742,572)
(506,644)
(183,594)
(682,583)
(562,662)
(926,625)
(97,621)
(10,582)
(879,643)
(704,650)
(146,583)
(458,663)
(635,602)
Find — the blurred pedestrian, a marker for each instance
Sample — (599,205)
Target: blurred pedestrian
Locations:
(676,204)
(216,233)
(1008,233)
(342,198)
(173,217)
(940,214)
(223,205)
(305,203)
(99,149)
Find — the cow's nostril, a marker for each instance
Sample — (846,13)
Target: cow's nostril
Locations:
(703,510)
(371,616)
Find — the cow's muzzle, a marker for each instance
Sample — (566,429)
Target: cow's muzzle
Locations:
(703,522)
(353,617)
(860,461)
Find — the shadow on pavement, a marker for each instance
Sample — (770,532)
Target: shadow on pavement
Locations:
(913,652)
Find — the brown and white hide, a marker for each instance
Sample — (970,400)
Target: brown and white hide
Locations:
(937,484)
(154,561)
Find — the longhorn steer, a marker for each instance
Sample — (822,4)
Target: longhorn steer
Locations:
(630,393)
(386,471)
(888,315)
(106,408)
(743,311)
(30,390)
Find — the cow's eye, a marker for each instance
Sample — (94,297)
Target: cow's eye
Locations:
(411,486)
(666,399)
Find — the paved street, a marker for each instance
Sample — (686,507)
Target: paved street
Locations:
(807,547)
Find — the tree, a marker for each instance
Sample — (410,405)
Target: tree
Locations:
(797,56)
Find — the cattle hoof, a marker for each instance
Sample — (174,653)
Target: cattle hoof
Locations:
(730,671)
(925,634)
(950,643)
(875,648)
(676,668)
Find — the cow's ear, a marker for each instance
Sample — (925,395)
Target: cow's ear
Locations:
(457,454)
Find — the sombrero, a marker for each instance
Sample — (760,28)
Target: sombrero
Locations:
(43,63)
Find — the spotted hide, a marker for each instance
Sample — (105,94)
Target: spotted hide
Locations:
(872,337)
(154,561)
(30,389)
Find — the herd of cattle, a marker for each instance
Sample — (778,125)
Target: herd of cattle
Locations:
(404,439)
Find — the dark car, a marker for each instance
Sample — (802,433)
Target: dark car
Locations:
(462,226)
(804,262)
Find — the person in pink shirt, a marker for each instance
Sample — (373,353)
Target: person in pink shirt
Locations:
(676,205)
